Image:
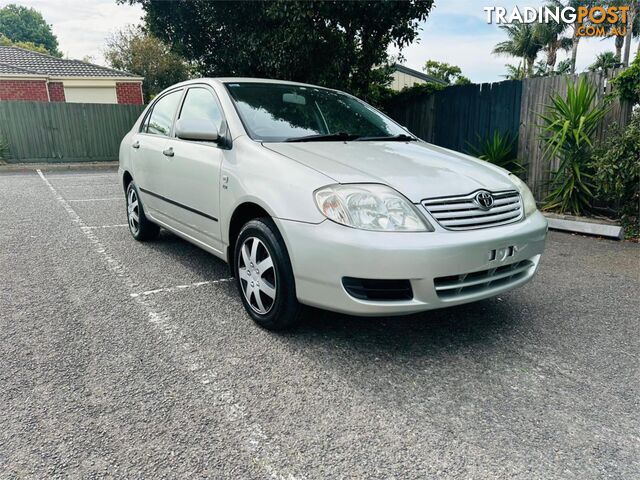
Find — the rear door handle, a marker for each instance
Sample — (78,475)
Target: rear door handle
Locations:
(169,152)
(136,144)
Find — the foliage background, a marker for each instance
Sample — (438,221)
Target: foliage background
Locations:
(616,167)
(330,43)
(27,28)
(140,53)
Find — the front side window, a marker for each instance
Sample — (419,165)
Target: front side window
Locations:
(161,117)
(200,104)
(274,112)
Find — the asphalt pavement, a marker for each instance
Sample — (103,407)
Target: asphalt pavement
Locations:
(122,359)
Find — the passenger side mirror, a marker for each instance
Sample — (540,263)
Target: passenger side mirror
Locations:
(199,129)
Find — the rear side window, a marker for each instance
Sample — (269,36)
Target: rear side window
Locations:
(200,103)
(161,117)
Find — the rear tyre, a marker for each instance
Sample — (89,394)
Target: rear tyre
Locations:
(264,276)
(141,228)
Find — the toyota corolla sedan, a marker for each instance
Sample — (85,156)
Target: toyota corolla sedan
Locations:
(315,198)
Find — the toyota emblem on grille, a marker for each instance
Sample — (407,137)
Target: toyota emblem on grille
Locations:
(484,199)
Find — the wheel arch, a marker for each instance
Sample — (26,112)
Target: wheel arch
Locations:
(126,180)
(242,214)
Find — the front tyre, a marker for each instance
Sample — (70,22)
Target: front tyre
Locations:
(140,226)
(264,276)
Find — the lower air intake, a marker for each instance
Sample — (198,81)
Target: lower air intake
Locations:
(378,290)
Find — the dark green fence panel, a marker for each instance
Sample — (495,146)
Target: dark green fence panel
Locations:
(456,116)
(65,132)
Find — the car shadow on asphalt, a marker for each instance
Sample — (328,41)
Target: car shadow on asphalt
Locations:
(401,359)
(454,327)
(180,251)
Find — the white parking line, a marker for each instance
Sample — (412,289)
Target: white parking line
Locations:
(92,227)
(82,175)
(180,287)
(95,199)
(85,185)
(254,440)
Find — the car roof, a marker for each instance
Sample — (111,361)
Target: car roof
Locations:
(223,80)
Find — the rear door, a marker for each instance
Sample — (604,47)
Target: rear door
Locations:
(191,176)
(148,147)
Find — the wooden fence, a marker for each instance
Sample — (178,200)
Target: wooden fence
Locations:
(535,98)
(456,116)
(65,132)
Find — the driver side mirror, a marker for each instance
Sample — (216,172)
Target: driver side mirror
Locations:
(199,129)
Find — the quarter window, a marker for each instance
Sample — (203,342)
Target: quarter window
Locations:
(200,104)
(161,117)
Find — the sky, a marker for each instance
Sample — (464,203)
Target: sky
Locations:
(455,32)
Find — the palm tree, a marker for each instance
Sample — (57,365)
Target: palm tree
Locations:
(605,61)
(633,29)
(523,43)
(514,72)
(613,29)
(575,38)
(619,44)
(550,36)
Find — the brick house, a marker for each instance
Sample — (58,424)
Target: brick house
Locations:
(32,76)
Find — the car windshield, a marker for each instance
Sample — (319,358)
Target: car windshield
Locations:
(273,112)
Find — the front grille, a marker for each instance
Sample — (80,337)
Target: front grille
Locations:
(380,290)
(464,213)
(452,286)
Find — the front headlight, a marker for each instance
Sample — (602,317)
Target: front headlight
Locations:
(528,200)
(369,207)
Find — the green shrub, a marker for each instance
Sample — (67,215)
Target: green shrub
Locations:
(499,149)
(616,167)
(567,129)
(627,84)
(387,98)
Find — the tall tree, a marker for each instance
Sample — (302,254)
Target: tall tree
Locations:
(22,24)
(452,74)
(135,51)
(574,27)
(333,43)
(523,43)
(619,39)
(5,42)
(604,62)
(514,72)
(633,29)
(550,36)
(613,29)
(618,30)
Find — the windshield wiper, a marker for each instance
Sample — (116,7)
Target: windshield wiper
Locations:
(392,138)
(329,137)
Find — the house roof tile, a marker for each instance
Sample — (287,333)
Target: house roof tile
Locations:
(14,60)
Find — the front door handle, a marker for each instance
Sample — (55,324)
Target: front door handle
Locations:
(136,144)
(168,152)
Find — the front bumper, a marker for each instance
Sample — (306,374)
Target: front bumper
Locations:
(322,254)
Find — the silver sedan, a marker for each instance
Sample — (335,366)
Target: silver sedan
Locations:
(315,198)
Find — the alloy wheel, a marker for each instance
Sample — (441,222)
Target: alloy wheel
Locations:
(133,211)
(257,275)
